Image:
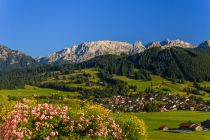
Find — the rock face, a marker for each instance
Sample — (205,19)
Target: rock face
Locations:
(13,59)
(170,43)
(205,44)
(88,50)
(137,48)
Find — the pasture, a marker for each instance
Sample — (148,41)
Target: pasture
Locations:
(172,119)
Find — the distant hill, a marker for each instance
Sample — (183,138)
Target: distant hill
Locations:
(14,59)
(175,63)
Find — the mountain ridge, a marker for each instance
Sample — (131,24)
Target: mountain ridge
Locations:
(14,59)
(88,50)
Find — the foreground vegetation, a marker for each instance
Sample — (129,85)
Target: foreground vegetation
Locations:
(72,119)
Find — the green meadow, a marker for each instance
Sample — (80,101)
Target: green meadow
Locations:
(29,91)
(154,120)
(159,83)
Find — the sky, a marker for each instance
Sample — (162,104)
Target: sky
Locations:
(39,27)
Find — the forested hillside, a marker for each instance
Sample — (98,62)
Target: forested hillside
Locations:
(172,63)
(176,64)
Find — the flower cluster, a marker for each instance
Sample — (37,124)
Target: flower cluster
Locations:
(96,126)
(48,121)
(10,129)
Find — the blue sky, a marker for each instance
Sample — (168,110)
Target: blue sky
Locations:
(38,27)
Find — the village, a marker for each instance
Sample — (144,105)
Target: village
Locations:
(154,102)
(150,102)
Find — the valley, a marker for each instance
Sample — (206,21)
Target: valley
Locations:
(89,79)
(163,85)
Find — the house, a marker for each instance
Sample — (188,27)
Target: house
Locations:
(191,126)
(196,127)
(164,128)
(206,124)
(187,125)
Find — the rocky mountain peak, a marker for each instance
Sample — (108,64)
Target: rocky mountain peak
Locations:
(170,43)
(153,44)
(138,47)
(5,52)
(138,43)
(88,50)
(13,59)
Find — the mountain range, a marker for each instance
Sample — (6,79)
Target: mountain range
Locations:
(88,50)
(85,51)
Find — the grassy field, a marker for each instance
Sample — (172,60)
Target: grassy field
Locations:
(158,83)
(172,119)
(30,90)
(92,71)
(93,78)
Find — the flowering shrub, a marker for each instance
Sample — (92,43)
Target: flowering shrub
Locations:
(133,127)
(4,109)
(46,121)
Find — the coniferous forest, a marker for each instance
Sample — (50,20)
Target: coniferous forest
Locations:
(175,64)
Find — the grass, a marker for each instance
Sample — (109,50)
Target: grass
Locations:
(93,78)
(30,90)
(172,119)
(92,71)
(158,83)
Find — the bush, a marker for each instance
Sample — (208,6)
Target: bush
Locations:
(28,120)
(46,121)
(133,127)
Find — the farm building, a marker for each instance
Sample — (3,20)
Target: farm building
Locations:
(191,126)
(164,128)
(197,127)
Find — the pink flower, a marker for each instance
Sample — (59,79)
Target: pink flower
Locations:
(65,108)
(42,117)
(47,138)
